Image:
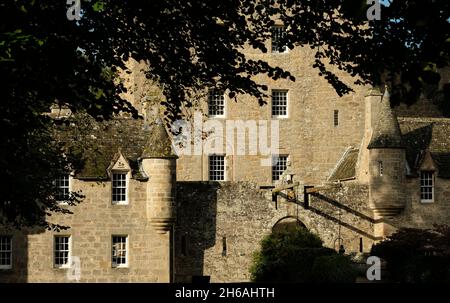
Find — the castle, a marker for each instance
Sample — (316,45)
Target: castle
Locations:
(351,169)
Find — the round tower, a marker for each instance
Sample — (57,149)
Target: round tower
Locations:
(386,163)
(159,163)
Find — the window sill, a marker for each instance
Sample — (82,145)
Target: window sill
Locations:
(280,117)
(120,203)
(426,201)
(120,267)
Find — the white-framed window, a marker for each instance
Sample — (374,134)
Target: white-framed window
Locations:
(216,103)
(380,168)
(336,117)
(5,252)
(62,184)
(279,165)
(120,187)
(280,103)
(217,168)
(62,251)
(119,251)
(278,32)
(427,186)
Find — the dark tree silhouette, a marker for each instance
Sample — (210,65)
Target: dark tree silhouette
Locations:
(188,45)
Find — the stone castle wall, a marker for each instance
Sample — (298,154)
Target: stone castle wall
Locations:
(243,214)
(308,135)
(93,223)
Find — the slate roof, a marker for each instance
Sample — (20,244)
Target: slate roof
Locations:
(418,135)
(346,167)
(422,134)
(95,144)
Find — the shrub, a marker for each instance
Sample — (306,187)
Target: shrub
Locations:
(417,255)
(290,256)
(333,269)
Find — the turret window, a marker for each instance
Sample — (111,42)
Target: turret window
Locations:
(426,186)
(380,168)
(336,117)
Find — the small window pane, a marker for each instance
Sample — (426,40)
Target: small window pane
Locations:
(62,185)
(216,168)
(119,187)
(5,252)
(336,118)
(119,251)
(279,165)
(216,103)
(278,32)
(62,251)
(426,186)
(279,103)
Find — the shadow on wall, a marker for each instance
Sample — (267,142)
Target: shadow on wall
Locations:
(195,230)
(18,273)
(326,206)
(364,219)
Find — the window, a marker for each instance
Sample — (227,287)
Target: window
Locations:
(380,168)
(119,188)
(5,252)
(279,103)
(278,32)
(336,117)
(62,251)
(279,165)
(119,251)
(216,103)
(224,246)
(426,186)
(217,168)
(63,185)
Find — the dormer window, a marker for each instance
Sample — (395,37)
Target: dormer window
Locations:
(120,173)
(119,187)
(426,186)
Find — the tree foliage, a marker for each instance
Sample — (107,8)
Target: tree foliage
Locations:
(417,255)
(188,45)
(298,256)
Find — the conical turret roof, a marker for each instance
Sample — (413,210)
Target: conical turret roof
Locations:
(386,133)
(159,144)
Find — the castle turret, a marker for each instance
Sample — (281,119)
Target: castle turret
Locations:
(386,163)
(159,163)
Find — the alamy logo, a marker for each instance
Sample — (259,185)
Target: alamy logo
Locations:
(74,272)
(374,271)
(74,10)
(374,11)
(232,137)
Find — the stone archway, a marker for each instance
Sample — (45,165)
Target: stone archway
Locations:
(287,223)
